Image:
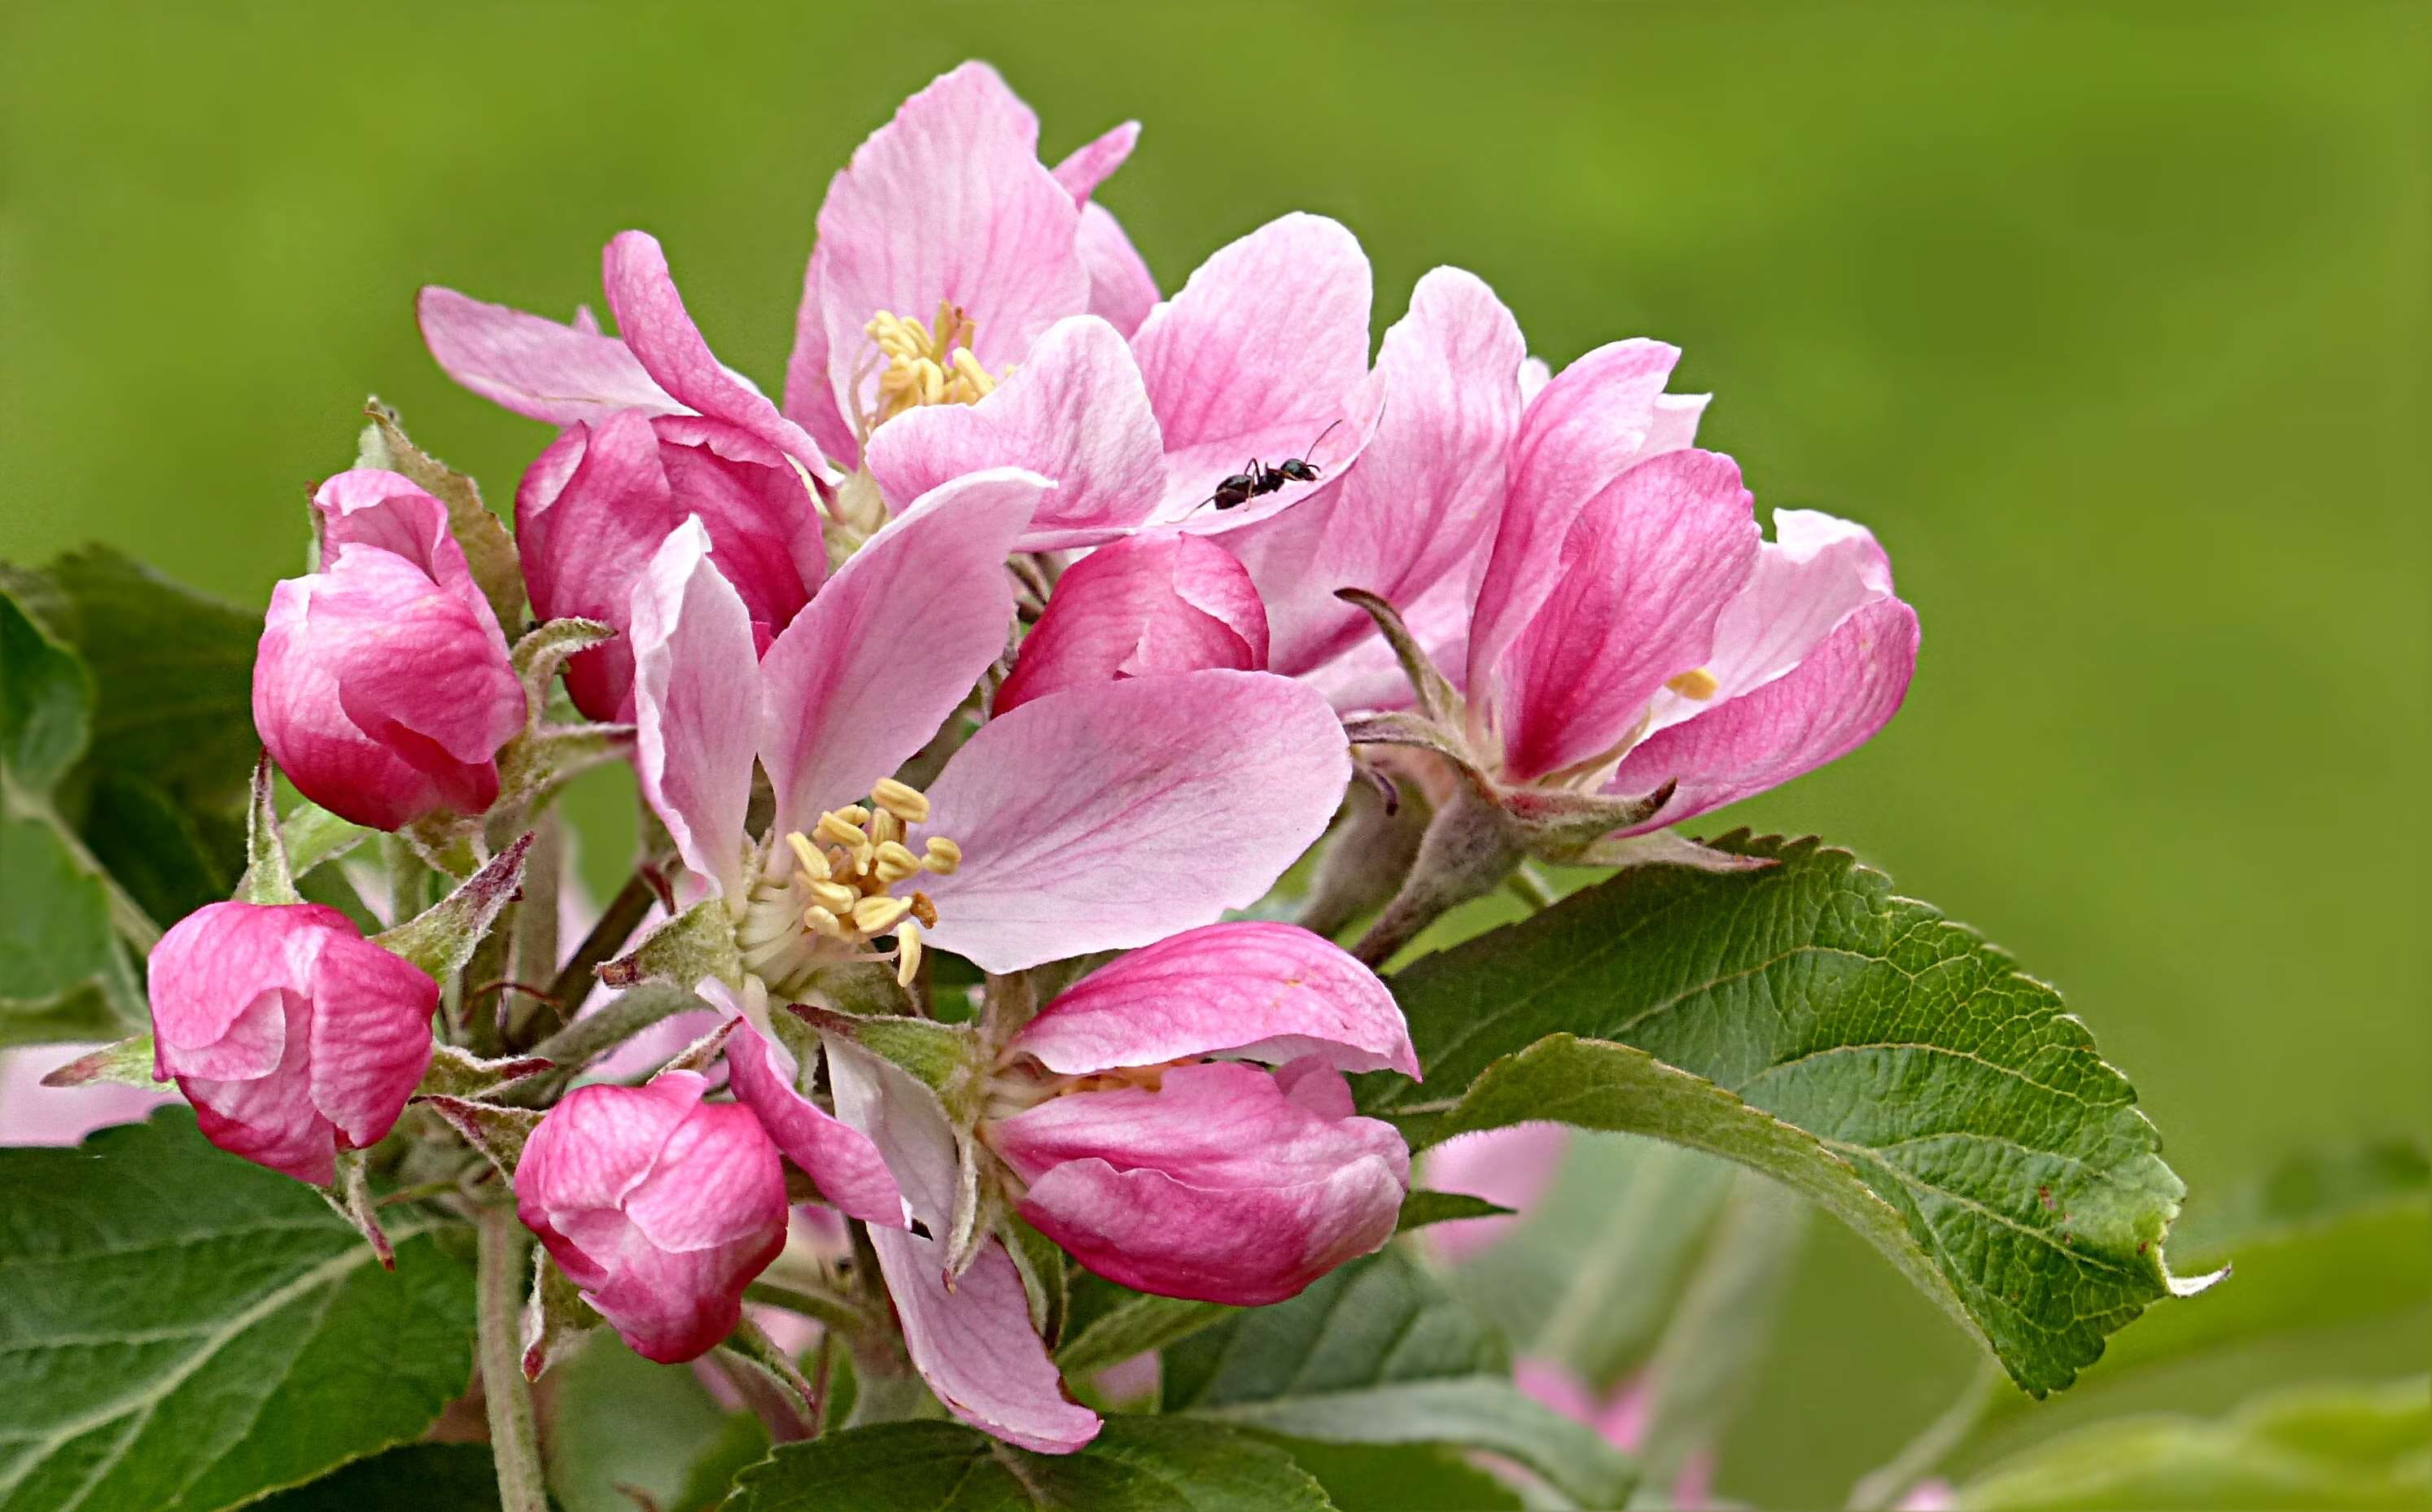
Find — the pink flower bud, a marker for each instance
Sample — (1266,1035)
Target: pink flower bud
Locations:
(660,1207)
(1150,604)
(293,1035)
(382,688)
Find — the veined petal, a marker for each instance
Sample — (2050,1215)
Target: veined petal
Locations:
(1582,430)
(946,202)
(810,393)
(270,1119)
(1829,705)
(974,1345)
(1122,289)
(840,1160)
(535,368)
(1114,814)
(220,978)
(1648,567)
(697,701)
(866,674)
(1148,604)
(371,1035)
(1090,164)
(1075,411)
(672,1305)
(1263,348)
(600,1143)
(1218,1125)
(661,334)
(589,514)
(1254,990)
(1427,490)
(714,1180)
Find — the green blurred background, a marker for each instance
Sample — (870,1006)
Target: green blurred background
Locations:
(2114,329)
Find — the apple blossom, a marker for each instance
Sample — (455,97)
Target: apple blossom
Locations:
(382,686)
(293,1035)
(1149,604)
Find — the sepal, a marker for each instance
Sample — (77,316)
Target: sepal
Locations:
(1439,702)
(1663,848)
(457,1072)
(267,877)
(444,936)
(128,1063)
(555,1315)
(539,655)
(496,1131)
(941,1057)
(695,945)
(351,1195)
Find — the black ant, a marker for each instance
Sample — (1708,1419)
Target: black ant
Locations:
(1261,479)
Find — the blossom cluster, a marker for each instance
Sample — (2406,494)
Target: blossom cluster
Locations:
(1044,622)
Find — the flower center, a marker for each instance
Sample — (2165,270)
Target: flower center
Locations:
(828,895)
(926,364)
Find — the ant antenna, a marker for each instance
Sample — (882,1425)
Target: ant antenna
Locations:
(1321,438)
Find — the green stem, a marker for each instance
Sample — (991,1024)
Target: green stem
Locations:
(1934,1443)
(514,1442)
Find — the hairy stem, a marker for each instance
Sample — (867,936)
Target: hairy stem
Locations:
(514,1440)
(1470,847)
(1364,863)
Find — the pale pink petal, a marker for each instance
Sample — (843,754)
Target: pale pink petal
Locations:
(1149,604)
(220,979)
(653,319)
(1089,164)
(840,1160)
(1551,1384)
(535,368)
(371,1035)
(1650,564)
(590,511)
(1261,350)
(1113,814)
(1511,1167)
(763,518)
(599,1142)
(946,202)
(900,1118)
(1255,990)
(1817,572)
(1215,1124)
(697,705)
(865,677)
(1310,1083)
(1074,412)
(1827,706)
(1933,1495)
(1121,290)
(417,668)
(974,1345)
(717,1179)
(1582,431)
(1427,490)
(810,395)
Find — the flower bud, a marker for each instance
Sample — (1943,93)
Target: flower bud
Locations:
(1150,604)
(661,1207)
(382,688)
(293,1035)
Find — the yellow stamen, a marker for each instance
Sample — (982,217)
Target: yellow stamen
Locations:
(884,828)
(815,865)
(908,952)
(835,827)
(943,855)
(904,800)
(1697,684)
(924,910)
(819,921)
(926,364)
(894,863)
(834,896)
(877,915)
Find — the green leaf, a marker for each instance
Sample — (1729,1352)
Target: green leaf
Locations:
(621,1421)
(64,974)
(1379,1352)
(409,1478)
(45,703)
(1399,1478)
(1106,1324)
(1421,1208)
(742,1441)
(173,671)
(185,1331)
(1133,1465)
(2350,1446)
(1804,1021)
(170,859)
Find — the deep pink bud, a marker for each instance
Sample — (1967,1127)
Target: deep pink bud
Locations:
(1149,604)
(292,1034)
(382,688)
(660,1207)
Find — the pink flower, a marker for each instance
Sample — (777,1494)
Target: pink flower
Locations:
(660,1207)
(1215,1178)
(383,687)
(1263,354)
(1511,1167)
(293,1035)
(1150,604)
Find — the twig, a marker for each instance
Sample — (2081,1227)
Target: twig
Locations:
(514,1442)
(618,922)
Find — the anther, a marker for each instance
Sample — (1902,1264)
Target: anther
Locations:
(836,826)
(834,896)
(1697,684)
(877,915)
(908,952)
(943,855)
(924,910)
(894,861)
(815,865)
(819,921)
(904,800)
(885,826)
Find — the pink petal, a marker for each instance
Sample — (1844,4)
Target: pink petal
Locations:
(1258,352)
(1073,411)
(296,711)
(673,1305)
(1428,488)
(947,202)
(865,677)
(535,368)
(1256,990)
(1551,1384)
(1368,675)
(1311,1083)
(652,316)
(1090,164)
(838,1158)
(1817,572)
(1650,564)
(589,1151)
(1582,431)
(1216,1187)
(697,704)
(589,514)
(1827,706)
(1113,814)
(1121,290)
(1149,604)
(371,1035)
(270,1119)
(974,1345)
(1511,1167)
(810,395)
(220,979)
(764,521)
(716,1181)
